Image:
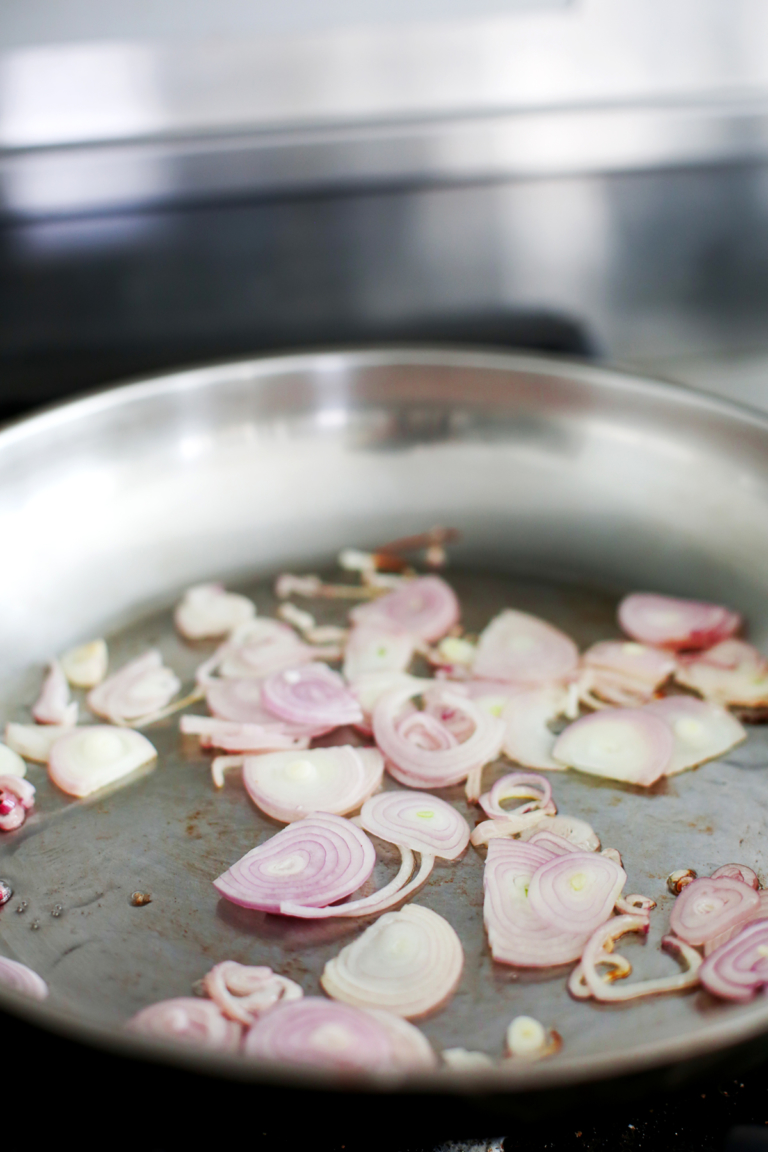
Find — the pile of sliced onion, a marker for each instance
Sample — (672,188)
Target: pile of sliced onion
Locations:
(86,665)
(426,607)
(234,737)
(188,1020)
(739,967)
(706,908)
(140,689)
(732,673)
(208,610)
(421,752)
(331,1035)
(288,786)
(243,993)
(524,650)
(22,979)
(408,962)
(702,730)
(84,760)
(677,624)
(627,744)
(17,797)
(53,705)
(516,933)
(313,862)
(372,648)
(311,695)
(586,980)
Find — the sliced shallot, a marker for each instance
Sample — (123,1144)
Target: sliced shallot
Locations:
(737,872)
(641,662)
(739,967)
(53,705)
(87,759)
(313,862)
(141,688)
(702,730)
(408,962)
(576,890)
(374,648)
(668,622)
(707,908)
(516,933)
(586,981)
(327,1034)
(524,649)
(86,665)
(537,790)
(527,1039)
(422,822)
(730,673)
(257,649)
(577,832)
(627,744)
(234,737)
(528,740)
(22,979)
(243,993)
(311,695)
(34,741)
(421,752)
(426,607)
(288,786)
(17,797)
(188,1020)
(208,610)
(11,763)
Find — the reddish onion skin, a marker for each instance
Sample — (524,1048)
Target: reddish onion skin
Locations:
(523,649)
(188,1020)
(426,607)
(22,979)
(738,968)
(737,872)
(667,622)
(313,862)
(326,1034)
(706,908)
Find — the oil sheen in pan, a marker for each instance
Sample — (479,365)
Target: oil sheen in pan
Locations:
(76,865)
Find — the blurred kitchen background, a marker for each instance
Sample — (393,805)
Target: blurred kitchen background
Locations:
(180,182)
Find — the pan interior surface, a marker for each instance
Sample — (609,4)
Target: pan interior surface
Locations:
(569,485)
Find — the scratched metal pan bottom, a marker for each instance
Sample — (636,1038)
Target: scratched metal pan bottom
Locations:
(570,485)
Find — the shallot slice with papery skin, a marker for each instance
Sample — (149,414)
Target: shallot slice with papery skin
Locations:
(53,705)
(516,933)
(377,648)
(141,688)
(627,744)
(738,968)
(401,739)
(702,730)
(208,610)
(326,1034)
(87,759)
(243,993)
(576,891)
(188,1020)
(232,737)
(408,962)
(667,622)
(737,872)
(732,673)
(17,796)
(586,981)
(524,650)
(313,862)
(33,741)
(311,695)
(288,786)
(528,739)
(22,979)
(426,607)
(707,908)
(86,665)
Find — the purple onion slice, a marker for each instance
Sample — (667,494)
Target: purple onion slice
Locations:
(523,649)
(738,969)
(677,624)
(706,908)
(188,1020)
(627,744)
(311,695)
(290,785)
(576,891)
(420,821)
(426,607)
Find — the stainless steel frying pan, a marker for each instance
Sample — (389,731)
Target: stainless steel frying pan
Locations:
(570,484)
